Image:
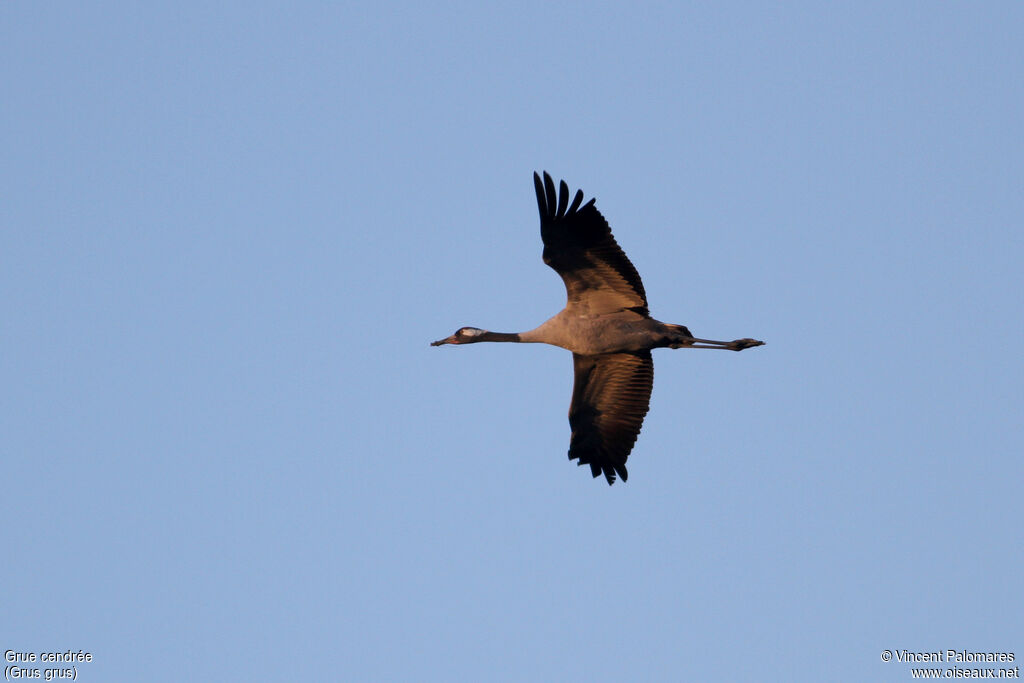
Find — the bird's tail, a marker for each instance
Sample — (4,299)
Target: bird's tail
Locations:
(681,329)
(678,336)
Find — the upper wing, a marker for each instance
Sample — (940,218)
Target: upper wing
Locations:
(610,397)
(579,245)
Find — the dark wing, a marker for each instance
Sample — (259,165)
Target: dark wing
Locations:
(609,400)
(579,245)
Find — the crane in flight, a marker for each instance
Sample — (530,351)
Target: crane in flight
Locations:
(606,325)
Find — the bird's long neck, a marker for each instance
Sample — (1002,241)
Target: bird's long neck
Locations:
(500,337)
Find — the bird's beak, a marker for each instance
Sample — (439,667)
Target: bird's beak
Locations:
(446,340)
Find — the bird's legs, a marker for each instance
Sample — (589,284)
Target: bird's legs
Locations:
(735,345)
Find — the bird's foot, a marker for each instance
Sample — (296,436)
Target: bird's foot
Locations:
(740,344)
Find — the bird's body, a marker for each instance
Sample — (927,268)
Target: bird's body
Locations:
(605,324)
(608,333)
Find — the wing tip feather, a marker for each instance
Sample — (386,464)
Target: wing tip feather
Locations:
(554,203)
(538,186)
(549,192)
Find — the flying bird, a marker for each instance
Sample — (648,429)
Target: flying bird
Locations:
(606,325)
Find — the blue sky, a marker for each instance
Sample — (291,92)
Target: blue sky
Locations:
(230,230)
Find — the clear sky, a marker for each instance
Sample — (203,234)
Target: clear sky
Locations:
(229,230)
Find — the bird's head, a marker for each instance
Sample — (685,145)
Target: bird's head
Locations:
(463,335)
